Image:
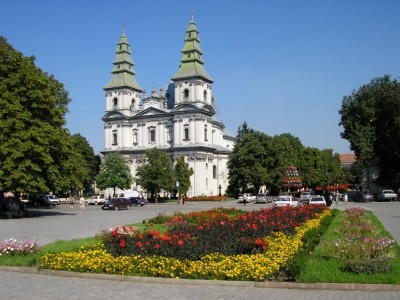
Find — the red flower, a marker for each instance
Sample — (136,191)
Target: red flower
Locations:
(180,243)
(139,244)
(122,243)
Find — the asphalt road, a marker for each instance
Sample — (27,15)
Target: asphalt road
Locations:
(63,223)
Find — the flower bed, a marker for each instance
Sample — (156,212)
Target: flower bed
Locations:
(13,247)
(361,247)
(270,238)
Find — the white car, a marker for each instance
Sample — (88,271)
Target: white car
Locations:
(63,200)
(317,200)
(248,197)
(53,199)
(387,195)
(285,200)
(95,200)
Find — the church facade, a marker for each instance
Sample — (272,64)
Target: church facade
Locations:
(181,118)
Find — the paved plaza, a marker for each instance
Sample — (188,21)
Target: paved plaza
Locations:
(63,223)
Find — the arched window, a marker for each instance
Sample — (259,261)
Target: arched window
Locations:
(205,133)
(115,102)
(205,95)
(186,94)
(215,172)
(115,137)
(186,133)
(152,135)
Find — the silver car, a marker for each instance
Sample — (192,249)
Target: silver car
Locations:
(261,198)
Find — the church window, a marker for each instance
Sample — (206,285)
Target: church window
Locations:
(186,133)
(205,95)
(205,133)
(135,137)
(115,103)
(215,172)
(152,135)
(115,138)
(132,108)
(186,94)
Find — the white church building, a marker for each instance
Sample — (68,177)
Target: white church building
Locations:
(180,119)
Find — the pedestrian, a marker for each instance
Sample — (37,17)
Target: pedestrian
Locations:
(345,198)
(337,197)
(71,201)
(82,203)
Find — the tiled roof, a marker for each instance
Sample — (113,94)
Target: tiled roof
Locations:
(348,158)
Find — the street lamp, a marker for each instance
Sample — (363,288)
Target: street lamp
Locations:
(219,188)
(177,190)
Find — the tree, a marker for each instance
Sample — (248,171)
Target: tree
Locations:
(246,161)
(157,174)
(90,161)
(33,139)
(370,118)
(114,173)
(183,173)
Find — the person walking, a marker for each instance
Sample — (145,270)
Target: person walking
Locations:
(82,203)
(71,201)
(345,198)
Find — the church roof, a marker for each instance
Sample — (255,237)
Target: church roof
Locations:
(123,74)
(192,64)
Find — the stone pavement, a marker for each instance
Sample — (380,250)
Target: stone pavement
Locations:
(63,223)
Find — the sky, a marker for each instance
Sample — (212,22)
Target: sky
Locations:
(280,66)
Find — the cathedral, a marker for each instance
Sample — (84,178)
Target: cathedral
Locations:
(181,118)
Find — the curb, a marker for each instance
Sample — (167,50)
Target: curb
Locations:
(179,281)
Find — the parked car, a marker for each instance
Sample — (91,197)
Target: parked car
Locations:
(40,200)
(95,200)
(317,200)
(53,200)
(261,198)
(63,200)
(285,200)
(305,197)
(248,197)
(116,204)
(387,195)
(363,197)
(136,201)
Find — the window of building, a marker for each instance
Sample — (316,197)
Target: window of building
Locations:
(115,137)
(186,133)
(152,135)
(215,172)
(205,133)
(115,102)
(135,137)
(205,95)
(186,94)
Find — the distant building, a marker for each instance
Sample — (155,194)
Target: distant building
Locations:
(180,118)
(346,160)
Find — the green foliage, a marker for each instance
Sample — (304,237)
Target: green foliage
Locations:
(183,173)
(114,173)
(370,117)
(89,160)
(258,159)
(33,141)
(157,174)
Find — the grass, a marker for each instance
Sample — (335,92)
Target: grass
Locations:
(320,270)
(315,270)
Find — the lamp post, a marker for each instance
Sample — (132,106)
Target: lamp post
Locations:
(219,188)
(177,188)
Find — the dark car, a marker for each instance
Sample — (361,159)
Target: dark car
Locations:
(39,200)
(364,197)
(136,201)
(116,204)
